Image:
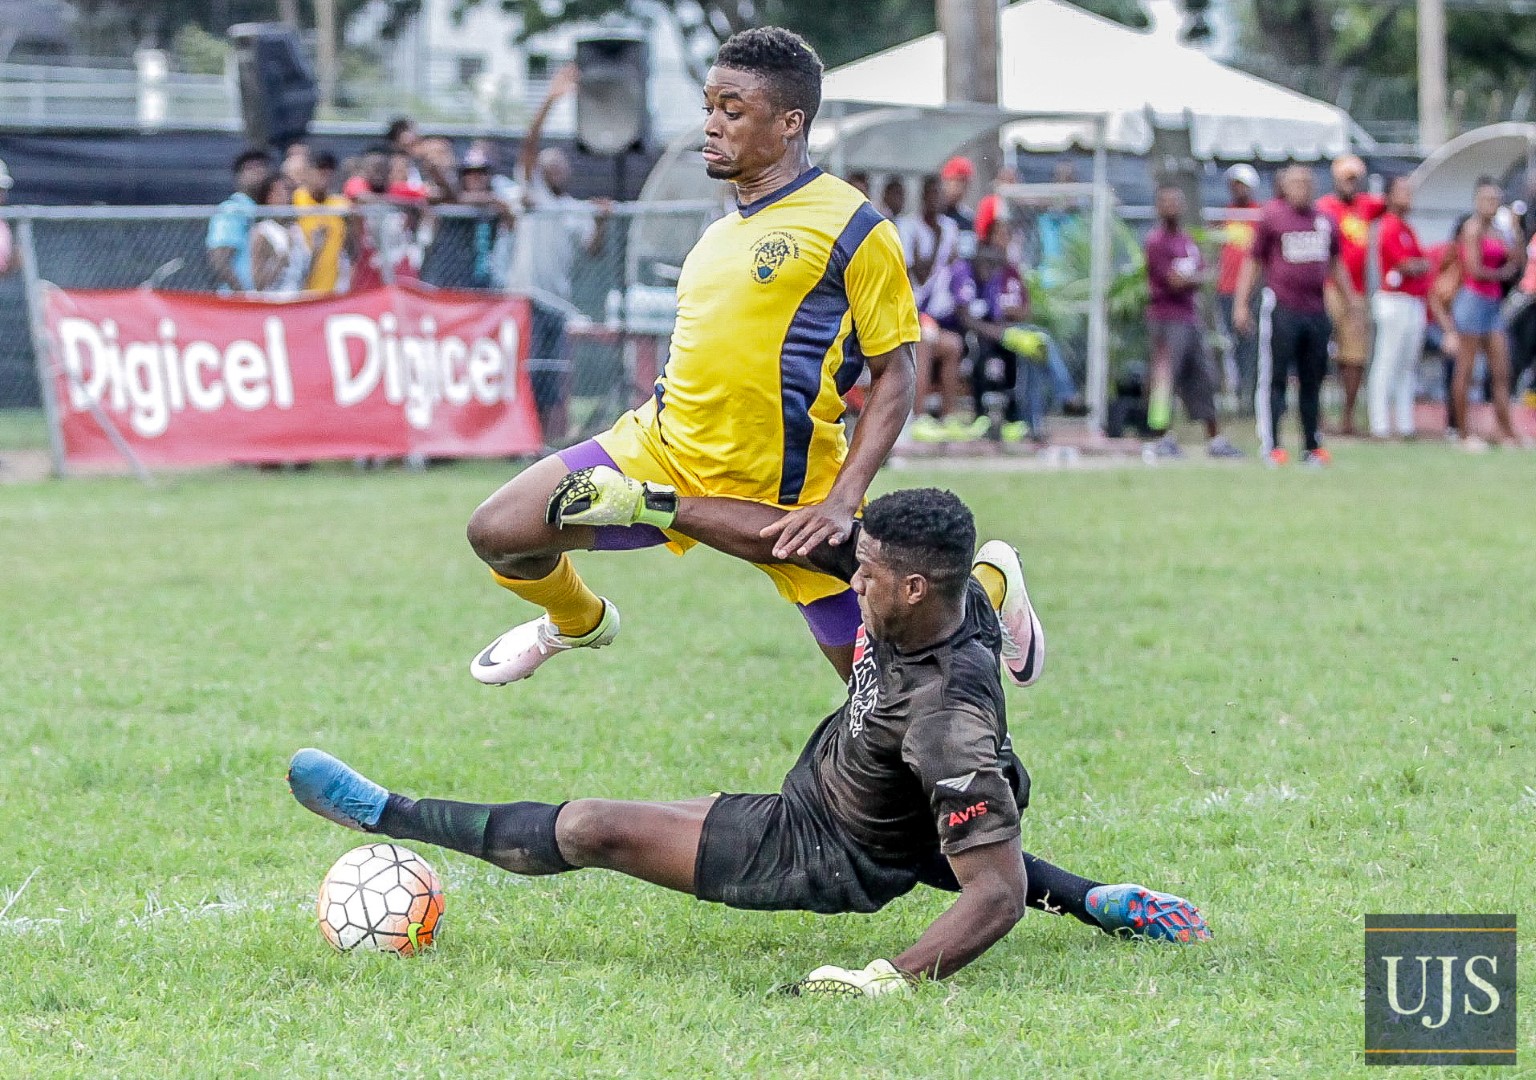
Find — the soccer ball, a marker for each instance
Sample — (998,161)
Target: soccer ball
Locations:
(381,897)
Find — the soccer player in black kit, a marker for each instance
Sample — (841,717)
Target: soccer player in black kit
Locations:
(914,780)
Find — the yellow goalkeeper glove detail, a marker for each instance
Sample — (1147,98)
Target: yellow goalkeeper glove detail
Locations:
(603,496)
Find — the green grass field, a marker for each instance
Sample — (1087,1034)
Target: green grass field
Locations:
(1294,697)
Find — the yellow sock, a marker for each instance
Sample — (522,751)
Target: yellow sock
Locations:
(573,608)
(992,580)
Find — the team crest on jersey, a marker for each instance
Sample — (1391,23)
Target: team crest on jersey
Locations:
(862,685)
(771,252)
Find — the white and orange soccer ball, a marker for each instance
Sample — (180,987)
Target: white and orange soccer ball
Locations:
(381,897)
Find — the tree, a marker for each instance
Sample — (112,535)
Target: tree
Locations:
(106,23)
(827,26)
(1329,47)
(1128,12)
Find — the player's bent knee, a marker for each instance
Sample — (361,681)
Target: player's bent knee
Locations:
(504,541)
(592,832)
(488,535)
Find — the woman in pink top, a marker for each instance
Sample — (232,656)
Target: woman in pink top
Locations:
(1487,261)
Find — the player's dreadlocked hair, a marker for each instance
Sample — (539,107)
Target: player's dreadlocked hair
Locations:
(784,59)
(925,531)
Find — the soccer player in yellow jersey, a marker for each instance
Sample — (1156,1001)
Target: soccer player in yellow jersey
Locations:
(780,305)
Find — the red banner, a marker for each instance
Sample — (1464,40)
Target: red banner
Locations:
(189,379)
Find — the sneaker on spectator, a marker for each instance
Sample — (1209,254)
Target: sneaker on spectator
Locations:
(1319,458)
(926,429)
(960,430)
(1474,444)
(1014,431)
(1219,447)
(1166,447)
(1277,457)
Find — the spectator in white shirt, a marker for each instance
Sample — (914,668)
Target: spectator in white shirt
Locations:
(931,243)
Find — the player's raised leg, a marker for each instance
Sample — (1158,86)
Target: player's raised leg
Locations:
(654,841)
(606,498)
(1001,573)
(527,557)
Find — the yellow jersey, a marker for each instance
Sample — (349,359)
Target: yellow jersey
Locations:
(326,233)
(777,306)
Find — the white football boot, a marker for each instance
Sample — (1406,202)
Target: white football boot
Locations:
(1023,637)
(518,653)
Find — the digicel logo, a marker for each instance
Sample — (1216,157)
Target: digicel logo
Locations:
(153,380)
(419,370)
(150,380)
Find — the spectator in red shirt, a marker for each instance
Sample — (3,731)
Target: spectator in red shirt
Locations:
(426,169)
(1398,308)
(1237,230)
(1175,272)
(1296,249)
(992,205)
(1352,211)
(956,177)
(388,245)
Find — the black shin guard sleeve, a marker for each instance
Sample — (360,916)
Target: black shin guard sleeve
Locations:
(1054,890)
(519,837)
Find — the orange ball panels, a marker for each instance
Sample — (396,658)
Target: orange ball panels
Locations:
(381,897)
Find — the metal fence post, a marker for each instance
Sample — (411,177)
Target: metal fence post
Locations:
(43,351)
(40,347)
(1098,287)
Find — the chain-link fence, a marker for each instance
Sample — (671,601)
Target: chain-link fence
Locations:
(601,281)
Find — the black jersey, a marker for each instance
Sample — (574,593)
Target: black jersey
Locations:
(918,759)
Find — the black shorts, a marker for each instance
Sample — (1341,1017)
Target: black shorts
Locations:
(786,852)
(1182,347)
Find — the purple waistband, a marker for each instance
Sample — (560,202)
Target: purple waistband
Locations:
(834,620)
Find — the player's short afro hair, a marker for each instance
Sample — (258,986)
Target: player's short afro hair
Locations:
(785,61)
(924,531)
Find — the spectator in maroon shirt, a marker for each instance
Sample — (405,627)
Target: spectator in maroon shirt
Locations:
(1175,272)
(1296,249)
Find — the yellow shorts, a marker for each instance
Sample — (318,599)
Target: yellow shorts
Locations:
(1351,328)
(632,445)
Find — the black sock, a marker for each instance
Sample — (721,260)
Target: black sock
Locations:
(1054,890)
(519,837)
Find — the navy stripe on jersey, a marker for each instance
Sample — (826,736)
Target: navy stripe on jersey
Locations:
(811,333)
(853,363)
(774,196)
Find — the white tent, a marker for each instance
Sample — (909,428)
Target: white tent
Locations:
(1444,182)
(1058,59)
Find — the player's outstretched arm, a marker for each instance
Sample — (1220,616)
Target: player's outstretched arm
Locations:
(893,383)
(992,889)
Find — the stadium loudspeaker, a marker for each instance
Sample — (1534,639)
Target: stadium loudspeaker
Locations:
(278,91)
(612,115)
(1172,159)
